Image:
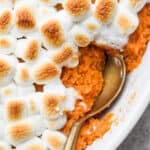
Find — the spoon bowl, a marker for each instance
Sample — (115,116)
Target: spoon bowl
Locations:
(114,79)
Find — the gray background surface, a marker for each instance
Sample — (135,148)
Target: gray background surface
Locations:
(139,138)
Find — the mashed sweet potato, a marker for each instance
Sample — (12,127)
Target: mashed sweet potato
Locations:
(87,79)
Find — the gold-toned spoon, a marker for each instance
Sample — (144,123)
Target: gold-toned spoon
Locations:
(114,79)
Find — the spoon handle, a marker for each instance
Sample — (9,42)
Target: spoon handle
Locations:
(73,136)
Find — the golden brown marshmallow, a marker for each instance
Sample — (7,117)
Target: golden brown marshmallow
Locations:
(20,131)
(4,43)
(50,104)
(63,54)
(32,50)
(77,7)
(52,33)
(4,68)
(25,19)
(45,72)
(15,110)
(104,10)
(5,21)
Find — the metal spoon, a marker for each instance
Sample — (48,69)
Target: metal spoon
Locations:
(114,79)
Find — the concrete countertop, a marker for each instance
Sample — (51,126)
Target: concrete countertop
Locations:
(139,138)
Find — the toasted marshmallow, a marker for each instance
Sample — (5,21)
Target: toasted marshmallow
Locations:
(80,36)
(33,144)
(4,146)
(105,10)
(28,49)
(22,75)
(77,9)
(44,72)
(7,69)
(24,91)
(92,25)
(134,5)
(56,87)
(5,20)
(19,132)
(49,2)
(125,21)
(25,17)
(38,125)
(56,124)
(52,33)
(8,92)
(15,109)
(63,54)
(33,102)
(55,140)
(7,44)
(69,103)
(50,105)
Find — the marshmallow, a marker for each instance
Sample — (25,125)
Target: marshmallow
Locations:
(125,22)
(4,146)
(105,10)
(7,69)
(80,36)
(8,92)
(7,44)
(44,72)
(2,131)
(15,109)
(56,124)
(54,139)
(33,144)
(22,75)
(134,5)
(19,132)
(50,105)
(28,49)
(49,2)
(77,9)
(25,17)
(5,20)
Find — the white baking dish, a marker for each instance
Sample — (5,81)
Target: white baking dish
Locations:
(129,106)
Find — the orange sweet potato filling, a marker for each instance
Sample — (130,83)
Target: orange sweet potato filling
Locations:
(87,79)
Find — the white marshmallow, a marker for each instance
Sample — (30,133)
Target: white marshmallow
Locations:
(48,2)
(54,140)
(8,92)
(69,103)
(7,44)
(22,76)
(56,124)
(134,5)
(125,22)
(2,131)
(33,144)
(24,91)
(4,146)
(7,69)
(38,124)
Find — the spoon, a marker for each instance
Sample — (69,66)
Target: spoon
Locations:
(114,79)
